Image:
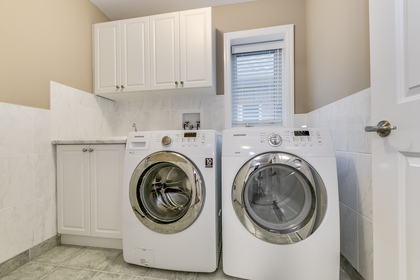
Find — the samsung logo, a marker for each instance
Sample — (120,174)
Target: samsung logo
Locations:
(239,135)
(138,136)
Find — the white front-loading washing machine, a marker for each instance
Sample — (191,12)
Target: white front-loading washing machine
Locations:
(171,199)
(280,204)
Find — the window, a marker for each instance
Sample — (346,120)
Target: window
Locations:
(259,77)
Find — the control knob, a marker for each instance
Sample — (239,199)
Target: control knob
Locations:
(275,140)
(166,141)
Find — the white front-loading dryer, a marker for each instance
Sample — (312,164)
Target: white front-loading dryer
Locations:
(280,204)
(171,200)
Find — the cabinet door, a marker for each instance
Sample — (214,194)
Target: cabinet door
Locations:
(106,165)
(196,45)
(73,192)
(164,51)
(135,71)
(106,41)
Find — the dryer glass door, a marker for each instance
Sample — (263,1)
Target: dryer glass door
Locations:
(279,198)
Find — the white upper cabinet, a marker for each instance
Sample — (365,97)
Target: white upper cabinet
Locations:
(182,50)
(182,55)
(121,51)
(106,42)
(198,59)
(164,51)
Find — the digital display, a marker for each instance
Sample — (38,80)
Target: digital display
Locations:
(302,133)
(190,134)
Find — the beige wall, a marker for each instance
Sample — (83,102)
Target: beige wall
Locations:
(338,61)
(45,40)
(259,14)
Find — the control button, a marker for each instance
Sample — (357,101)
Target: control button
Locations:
(166,141)
(274,140)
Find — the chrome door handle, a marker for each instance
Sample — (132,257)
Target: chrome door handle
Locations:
(383,128)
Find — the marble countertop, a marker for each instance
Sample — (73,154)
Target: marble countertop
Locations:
(98,140)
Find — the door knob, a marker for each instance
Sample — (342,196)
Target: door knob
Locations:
(383,128)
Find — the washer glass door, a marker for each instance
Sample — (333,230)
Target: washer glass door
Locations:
(279,198)
(166,192)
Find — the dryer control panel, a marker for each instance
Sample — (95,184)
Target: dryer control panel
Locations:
(313,141)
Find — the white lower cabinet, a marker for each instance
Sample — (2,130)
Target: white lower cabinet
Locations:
(89,187)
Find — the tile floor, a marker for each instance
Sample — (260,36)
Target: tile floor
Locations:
(76,262)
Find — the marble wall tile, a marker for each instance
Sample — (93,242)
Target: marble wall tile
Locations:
(347,119)
(348,235)
(4,178)
(354,171)
(365,247)
(16,231)
(347,179)
(45,217)
(214,119)
(160,120)
(18,180)
(160,103)
(17,123)
(300,120)
(202,102)
(179,103)
(78,114)
(45,175)
(156,113)
(42,131)
(64,121)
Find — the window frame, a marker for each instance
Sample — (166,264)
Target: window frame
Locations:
(282,32)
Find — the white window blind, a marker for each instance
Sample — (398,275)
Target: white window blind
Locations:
(257,84)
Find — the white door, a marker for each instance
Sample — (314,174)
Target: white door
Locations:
(135,54)
(395,85)
(106,169)
(164,51)
(73,191)
(196,48)
(107,57)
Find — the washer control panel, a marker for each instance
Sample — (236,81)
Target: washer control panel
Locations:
(182,139)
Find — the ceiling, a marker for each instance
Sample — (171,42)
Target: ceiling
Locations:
(123,9)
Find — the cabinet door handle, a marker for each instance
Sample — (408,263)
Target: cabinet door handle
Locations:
(84,150)
(122,86)
(176,82)
(117,87)
(182,82)
(90,150)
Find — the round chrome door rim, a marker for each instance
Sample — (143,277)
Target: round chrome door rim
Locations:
(197,195)
(300,231)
